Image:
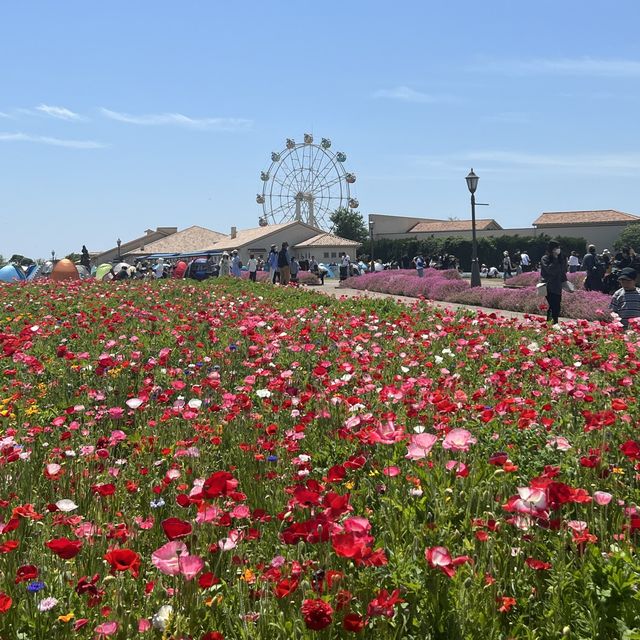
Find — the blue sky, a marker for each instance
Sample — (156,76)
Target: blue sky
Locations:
(120,116)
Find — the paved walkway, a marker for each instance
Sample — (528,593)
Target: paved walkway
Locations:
(331,288)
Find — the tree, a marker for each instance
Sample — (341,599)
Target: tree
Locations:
(630,237)
(74,257)
(349,224)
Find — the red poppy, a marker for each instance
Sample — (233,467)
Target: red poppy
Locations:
(354,622)
(5,602)
(207,580)
(26,572)
(212,635)
(285,587)
(123,560)
(317,614)
(64,547)
(219,484)
(174,528)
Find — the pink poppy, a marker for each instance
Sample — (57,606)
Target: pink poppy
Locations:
(166,558)
(420,445)
(106,629)
(602,498)
(458,440)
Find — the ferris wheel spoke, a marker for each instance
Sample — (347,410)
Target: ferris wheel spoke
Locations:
(327,185)
(290,176)
(325,170)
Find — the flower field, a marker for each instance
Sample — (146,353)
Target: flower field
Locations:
(448,286)
(235,460)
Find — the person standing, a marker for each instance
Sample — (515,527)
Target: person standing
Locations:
(224,264)
(593,268)
(553,272)
(419,262)
(284,263)
(236,269)
(295,268)
(525,261)
(574,262)
(272,262)
(626,300)
(252,268)
(345,263)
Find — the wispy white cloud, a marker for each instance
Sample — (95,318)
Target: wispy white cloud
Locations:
(407,94)
(56,142)
(178,119)
(61,113)
(496,161)
(585,66)
(4,115)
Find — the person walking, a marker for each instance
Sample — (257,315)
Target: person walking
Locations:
(272,263)
(284,263)
(593,268)
(553,272)
(252,268)
(507,267)
(626,300)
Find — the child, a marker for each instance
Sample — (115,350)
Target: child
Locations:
(626,300)
(252,267)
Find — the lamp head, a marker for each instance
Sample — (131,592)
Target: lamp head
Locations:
(472,181)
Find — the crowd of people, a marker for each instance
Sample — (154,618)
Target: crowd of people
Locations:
(617,276)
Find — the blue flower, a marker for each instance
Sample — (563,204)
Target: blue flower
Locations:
(272,458)
(156,504)
(34,587)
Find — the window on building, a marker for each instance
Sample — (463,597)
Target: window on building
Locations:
(334,254)
(326,254)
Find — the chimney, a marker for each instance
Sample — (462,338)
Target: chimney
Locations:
(234,232)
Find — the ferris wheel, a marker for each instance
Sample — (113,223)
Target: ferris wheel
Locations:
(305,182)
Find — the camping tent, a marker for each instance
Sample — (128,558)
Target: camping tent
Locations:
(11,273)
(102,271)
(64,270)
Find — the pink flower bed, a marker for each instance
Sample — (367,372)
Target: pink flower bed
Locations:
(448,286)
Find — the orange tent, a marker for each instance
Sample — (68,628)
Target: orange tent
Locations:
(65,270)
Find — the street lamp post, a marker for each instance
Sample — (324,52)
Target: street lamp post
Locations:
(53,255)
(119,242)
(472,184)
(371,226)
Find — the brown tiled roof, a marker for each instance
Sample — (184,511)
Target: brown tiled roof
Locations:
(249,236)
(563,218)
(452,225)
(186,241)
(327,240)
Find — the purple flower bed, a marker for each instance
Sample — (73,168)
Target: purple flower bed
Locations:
(448,286)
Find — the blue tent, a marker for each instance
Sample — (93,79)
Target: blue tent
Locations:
(34,271)
(11,273)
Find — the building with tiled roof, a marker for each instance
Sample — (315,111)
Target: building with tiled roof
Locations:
(327,240)
(304,241)
(600,227)
(189,240)
(598,217)
(451,226)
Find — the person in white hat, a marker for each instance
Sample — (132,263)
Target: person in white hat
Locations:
(236,265)
(224,264)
